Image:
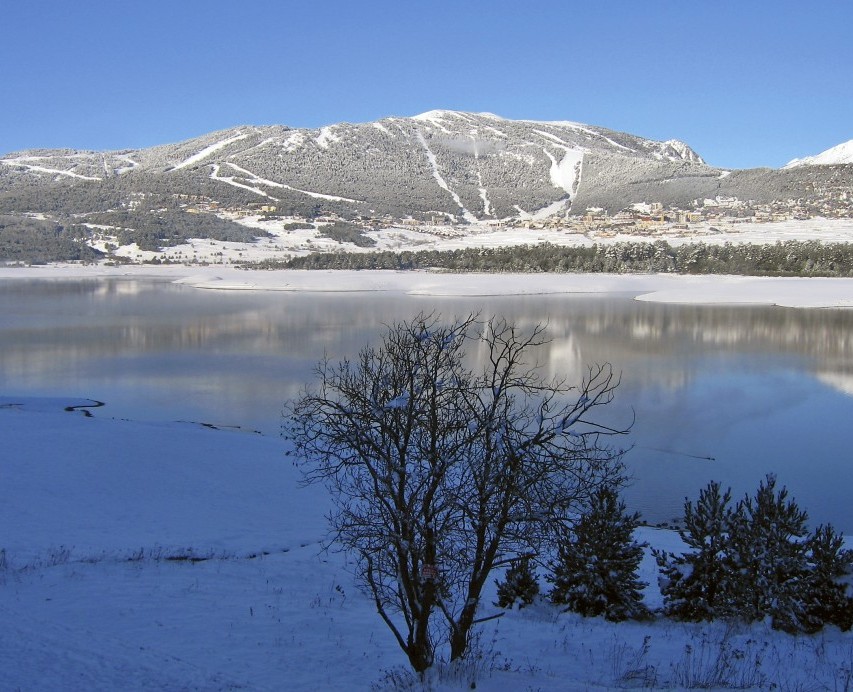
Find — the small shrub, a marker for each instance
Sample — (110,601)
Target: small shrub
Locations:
(345,232)
(825,600)
(768,554)
(596,571)
(519,585)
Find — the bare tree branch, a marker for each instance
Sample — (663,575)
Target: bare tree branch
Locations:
(438,469)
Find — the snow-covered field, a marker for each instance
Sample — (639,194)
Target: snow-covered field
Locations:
(174,556)
(284,243)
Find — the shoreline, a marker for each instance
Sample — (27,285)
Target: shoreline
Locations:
(796,292)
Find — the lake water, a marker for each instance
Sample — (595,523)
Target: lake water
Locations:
(725,393)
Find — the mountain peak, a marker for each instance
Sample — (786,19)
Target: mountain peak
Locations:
(440,113)
(840,154)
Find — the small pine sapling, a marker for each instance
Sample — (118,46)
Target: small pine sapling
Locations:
(519,585)
(825,600)
(695,584)
(769,557)
(596,570)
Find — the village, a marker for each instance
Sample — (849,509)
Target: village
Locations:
(650,219)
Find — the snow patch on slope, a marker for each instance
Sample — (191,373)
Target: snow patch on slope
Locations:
(20,161)
(326,137)
(581,128)
(214,175)
(675,149)
(484,195)
(131,164)
(566,173)
(382,128)
(434,118)
(256,179)
(208,151)
(550,210)
(294,141)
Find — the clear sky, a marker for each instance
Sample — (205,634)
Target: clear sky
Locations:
(745,82)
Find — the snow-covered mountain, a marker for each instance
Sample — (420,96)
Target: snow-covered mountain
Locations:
(466,166)
(840,154)
(441,167)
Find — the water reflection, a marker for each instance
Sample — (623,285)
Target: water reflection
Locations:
(759,389)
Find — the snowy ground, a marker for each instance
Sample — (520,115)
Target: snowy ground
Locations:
(210,264)
(284,243)
(178,557)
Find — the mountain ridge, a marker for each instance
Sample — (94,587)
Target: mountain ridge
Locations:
(839,154)
(440,167)
(465,165)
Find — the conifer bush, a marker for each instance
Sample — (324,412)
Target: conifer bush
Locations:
(768,553)
(825,600)
(696,585)
(596,570)
(519,585)
(755,561)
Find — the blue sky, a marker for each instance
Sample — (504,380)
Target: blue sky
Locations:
(746,83)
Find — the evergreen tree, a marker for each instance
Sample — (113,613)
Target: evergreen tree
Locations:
(519,585)
(769,557)
(825,599)
(695,584)
(755,561)
(596,570)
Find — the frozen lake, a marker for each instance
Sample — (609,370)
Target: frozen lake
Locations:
(719,392)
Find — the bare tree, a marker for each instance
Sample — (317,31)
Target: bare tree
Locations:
(439,472)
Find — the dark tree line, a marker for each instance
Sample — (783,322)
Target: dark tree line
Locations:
(34,241)
(154,230)
(345,232)
(789,258)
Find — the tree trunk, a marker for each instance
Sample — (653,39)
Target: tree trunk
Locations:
(420,648)
(459,635)
(420,656)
